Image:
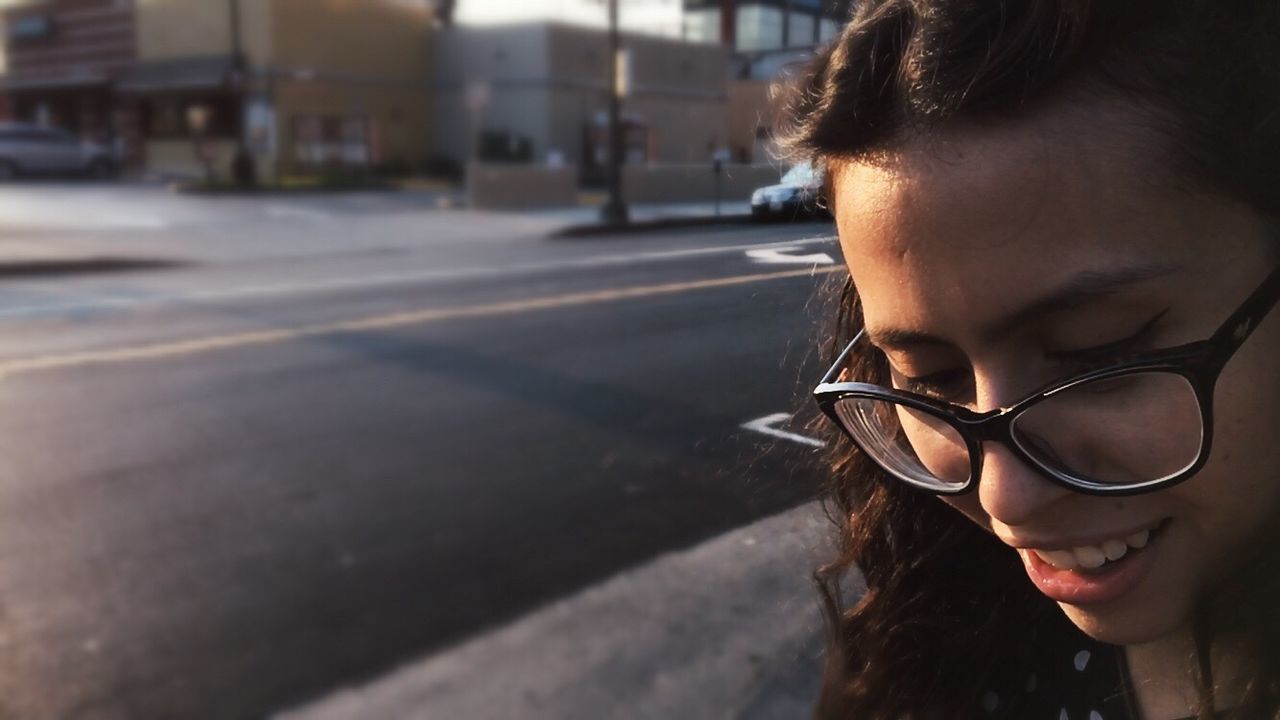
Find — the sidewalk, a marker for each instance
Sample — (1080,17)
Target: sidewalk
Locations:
(279,231)
(585,219)
(728,629)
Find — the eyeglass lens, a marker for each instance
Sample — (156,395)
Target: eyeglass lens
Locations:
(1122,430)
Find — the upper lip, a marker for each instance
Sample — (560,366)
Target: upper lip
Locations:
(1075,541)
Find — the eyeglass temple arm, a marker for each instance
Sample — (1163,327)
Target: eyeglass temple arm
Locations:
(838,365)
(1243,321)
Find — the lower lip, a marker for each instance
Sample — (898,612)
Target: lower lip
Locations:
(1108,583)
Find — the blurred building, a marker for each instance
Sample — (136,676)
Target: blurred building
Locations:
(308,85)
(61,63)
(644,17)
(771,41)
(538,92)
(749,26)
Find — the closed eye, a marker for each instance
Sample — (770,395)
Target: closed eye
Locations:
(954,385)
(1112,353)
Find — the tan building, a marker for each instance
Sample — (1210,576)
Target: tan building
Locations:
(538,92)
(756,97)
(323,83)
(326,83)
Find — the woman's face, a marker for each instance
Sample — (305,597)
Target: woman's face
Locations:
(991,261)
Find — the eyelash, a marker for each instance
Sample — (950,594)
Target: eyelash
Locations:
(947,384)
(1113,352)
(943,385)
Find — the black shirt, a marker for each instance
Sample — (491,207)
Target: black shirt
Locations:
(1074,678)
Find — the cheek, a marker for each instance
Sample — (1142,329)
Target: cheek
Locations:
(1242,477)
(1239,488)
(970,506)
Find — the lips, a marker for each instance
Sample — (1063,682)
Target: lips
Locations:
(1093,574)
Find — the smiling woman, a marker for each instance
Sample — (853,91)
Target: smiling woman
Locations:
(1055,357)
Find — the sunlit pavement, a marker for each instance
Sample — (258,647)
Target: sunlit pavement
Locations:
(232,487)
(728,629)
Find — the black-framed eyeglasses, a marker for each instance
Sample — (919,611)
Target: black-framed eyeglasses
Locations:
(1134,427)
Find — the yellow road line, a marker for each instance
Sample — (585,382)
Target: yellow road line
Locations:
(180,348)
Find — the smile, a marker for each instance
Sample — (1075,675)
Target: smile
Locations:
(1094,573)
(1092,557)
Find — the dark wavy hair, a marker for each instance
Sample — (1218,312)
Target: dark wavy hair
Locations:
(947,606)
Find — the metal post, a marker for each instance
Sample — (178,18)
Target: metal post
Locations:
(718,169)
(786,25)
(615,210)
(729,24)
(242,167)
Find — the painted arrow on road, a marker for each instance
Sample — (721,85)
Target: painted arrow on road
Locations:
(780,256)
(765,426)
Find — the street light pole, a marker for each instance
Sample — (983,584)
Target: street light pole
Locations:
(615,210)
(242,168)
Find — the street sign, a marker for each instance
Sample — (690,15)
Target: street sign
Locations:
(624,73)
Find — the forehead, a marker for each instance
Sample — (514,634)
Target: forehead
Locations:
(980,219)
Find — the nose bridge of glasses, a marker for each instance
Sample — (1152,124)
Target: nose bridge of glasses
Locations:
(990,426)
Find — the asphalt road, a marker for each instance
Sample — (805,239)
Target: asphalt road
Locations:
(228,488)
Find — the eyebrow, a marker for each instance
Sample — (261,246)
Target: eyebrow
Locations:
(1080,289)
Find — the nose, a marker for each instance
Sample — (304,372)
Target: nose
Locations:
(1011,492)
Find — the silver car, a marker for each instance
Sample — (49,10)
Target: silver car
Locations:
(35,150)
(796,194)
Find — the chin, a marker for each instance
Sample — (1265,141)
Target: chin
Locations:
(1130,625)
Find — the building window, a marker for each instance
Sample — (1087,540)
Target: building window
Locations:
(759,28)
(827,29)
(329,140)
(702,25)
(168,117)
(800,32)
(165,118)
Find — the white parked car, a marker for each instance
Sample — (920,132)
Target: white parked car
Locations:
(796,194)
(34,150)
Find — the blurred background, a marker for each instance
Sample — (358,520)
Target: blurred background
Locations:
(408,359)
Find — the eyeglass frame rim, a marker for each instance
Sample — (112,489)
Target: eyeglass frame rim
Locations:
(1200,363)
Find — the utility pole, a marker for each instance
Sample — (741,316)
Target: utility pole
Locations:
(615,210)
(729,24)
(242,169)
(786,25)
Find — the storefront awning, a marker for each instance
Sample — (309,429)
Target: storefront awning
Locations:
(195,73)
(14,82)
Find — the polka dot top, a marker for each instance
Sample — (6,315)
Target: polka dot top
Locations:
(1080,679)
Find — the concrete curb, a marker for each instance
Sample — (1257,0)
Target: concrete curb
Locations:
(728,629)
(674,223)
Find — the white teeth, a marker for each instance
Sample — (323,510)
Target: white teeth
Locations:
(1092,557)
(1061,559)
(1138,539)
(1089,556)
(1114,549)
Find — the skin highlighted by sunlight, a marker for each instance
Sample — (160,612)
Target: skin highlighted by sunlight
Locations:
(995,265)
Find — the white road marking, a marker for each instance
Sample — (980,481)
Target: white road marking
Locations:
(765,426)
(127,222)
(88,221)
(780,256)
(299,213)
(389,279)
(377,323)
